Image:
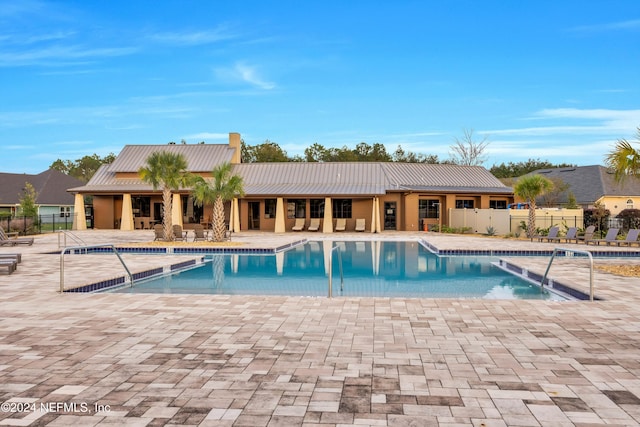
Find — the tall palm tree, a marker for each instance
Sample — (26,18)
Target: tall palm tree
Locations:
(624,159)
(167,171)
(528,188)
(223,187)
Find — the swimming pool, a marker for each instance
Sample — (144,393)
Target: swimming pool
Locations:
(369,269)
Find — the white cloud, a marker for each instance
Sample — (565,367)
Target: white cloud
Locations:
(194,38)
(204,136)
(632,24)
(244,73)
(56,55)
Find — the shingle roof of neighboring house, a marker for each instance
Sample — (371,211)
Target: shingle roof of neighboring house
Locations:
(590,183)
(51,187)
(301,178)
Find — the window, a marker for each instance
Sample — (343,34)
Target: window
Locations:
(428,208)
(65,212)
(498,204)
(296,208)
(342,208)
(316,208)
(630,204)
(468,203)
(141,206)
(270,208)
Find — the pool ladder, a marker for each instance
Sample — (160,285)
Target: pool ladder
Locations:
(568,250)
(331,271)
(81,249)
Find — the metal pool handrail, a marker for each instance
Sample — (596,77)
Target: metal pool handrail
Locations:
(578,251)
(73,248)
(331,270)
(66,233)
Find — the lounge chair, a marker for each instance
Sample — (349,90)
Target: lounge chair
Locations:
(572,234)
(341,224)
(588,234)
(610,238)
(16,257)
(158,231)
(6,241)
(299,225)
(632,238)
(314,225)
(199,233)
(178,233)
(10,265)
(552,236)
(360,224)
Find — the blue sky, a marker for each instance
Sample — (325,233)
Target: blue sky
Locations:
(554,80)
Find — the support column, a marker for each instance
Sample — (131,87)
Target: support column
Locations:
(79,221)
(279,228)
(327,224)
(378,228)
(176,210)
(235,216)
(126,220)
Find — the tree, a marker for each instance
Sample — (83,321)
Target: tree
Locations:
(28,207)
(262,153)
(624,159)
(167,171)
(512,169)
(467,151)
(84,168)
(528,188)
(223,187)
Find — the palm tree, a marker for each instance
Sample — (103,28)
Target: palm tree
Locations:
(528,188)
(223,187)
(167,171)
(624,159)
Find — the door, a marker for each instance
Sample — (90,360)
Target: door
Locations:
(389,215)
(254,215)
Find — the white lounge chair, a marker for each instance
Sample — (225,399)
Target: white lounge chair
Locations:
(360,224)
(314,225)
(299,225)
(341,224)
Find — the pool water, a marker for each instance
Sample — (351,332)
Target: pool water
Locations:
(369,269)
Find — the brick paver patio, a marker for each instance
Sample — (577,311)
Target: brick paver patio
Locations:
(211,360)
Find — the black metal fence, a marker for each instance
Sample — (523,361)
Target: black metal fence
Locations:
(39,224)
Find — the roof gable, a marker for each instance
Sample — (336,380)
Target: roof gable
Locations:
(50,186)
(200,157)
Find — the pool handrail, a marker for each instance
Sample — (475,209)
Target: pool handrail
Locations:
(578,251)
(330,292)
(66,233)
(104,245)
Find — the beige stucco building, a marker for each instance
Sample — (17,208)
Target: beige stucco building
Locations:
(388,196)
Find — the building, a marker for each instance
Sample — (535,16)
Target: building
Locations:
(389,196)
(594,184)
(52,199)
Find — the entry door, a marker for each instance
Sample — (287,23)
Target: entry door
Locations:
(254,215)
(389,215)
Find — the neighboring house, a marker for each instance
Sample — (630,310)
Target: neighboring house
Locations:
(593,184)
(389,196)
(52,198)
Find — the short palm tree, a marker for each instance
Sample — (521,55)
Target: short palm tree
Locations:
(224,186)
(528,188)
(167,171)
(624,159)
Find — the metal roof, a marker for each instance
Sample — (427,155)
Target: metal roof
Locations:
(200,157)
(302,178)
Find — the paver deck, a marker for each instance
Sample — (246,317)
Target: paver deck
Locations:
(215,360)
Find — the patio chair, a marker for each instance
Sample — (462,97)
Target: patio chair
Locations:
(299,225)
(158,231)
(6,241)
(360,224)
(552,236)
(588,234)
(199,233)
(341,224)
(632,238)
(178,233)
(10,265)
(610,238)
(314,225)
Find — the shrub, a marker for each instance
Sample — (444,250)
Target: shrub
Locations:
(630,218)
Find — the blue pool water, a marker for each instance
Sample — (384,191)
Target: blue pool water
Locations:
(371,268)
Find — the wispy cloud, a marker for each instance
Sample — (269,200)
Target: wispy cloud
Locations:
(245,73)
(193,38)
(58,55)
(204,136)
(630,25)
